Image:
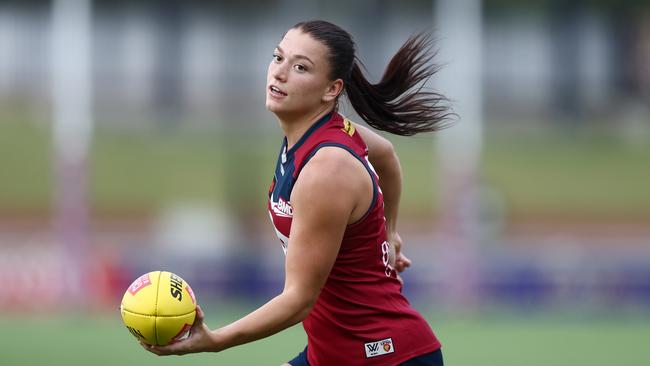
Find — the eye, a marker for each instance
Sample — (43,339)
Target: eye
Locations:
(277,57)
(300,68)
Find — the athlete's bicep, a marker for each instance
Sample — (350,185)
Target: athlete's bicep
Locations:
(321,210)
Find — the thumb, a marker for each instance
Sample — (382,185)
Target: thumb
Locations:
(405,260)
(199,313)
(198,320)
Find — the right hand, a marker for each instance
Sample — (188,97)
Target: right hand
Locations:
(199,340)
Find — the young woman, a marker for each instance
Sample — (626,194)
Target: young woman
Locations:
(336,221)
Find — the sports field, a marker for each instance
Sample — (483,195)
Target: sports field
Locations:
(487,340)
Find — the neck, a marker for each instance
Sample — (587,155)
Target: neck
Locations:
(295,127)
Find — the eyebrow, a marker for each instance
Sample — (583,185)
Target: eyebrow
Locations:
(296,56)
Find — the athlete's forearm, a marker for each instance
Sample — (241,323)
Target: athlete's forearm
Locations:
(390,181)
(279,313)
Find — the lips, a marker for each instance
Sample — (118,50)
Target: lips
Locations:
(277,91)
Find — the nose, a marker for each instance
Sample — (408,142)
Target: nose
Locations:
(279,73)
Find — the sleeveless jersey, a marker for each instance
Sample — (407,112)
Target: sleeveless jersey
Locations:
(361,316)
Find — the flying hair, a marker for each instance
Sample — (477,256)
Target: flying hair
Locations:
(399,102)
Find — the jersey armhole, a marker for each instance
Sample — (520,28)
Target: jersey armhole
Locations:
(361,160)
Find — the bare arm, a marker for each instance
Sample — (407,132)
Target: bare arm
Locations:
(322,209)
(383,158)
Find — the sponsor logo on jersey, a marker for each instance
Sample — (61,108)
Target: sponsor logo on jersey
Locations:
(379,348)
(282,208)
(137,285)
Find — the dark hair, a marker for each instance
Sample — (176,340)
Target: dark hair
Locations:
(397,104)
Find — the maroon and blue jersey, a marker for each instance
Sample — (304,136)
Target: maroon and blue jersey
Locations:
(361,316)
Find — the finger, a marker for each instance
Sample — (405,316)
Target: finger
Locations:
(176,348)
(200,315)
(198,320)
(402,263)
(405,260)
(399,267)
(149,348)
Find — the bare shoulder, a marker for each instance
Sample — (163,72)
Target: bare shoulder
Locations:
(332,171)
(377,144)
(332,164)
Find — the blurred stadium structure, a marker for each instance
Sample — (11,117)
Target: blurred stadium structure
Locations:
(182,151)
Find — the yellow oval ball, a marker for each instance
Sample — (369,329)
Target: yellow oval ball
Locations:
(158,308)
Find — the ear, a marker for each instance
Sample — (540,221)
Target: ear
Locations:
(333,90)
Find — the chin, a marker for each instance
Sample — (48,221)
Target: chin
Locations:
(273,106)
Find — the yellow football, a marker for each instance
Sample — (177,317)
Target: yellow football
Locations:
(158,308)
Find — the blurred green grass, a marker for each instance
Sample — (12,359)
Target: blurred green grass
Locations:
(504,341)
(144,170)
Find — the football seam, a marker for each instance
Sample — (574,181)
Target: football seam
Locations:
(158,316)
(155,325)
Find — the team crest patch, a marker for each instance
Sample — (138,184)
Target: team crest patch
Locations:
(348,127)
(379,348)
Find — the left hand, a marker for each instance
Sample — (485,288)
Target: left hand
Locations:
(199,340)
(400,262)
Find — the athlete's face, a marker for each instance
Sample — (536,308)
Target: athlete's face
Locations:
(298,77)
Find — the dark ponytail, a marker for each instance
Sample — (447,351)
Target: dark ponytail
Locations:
(397,104)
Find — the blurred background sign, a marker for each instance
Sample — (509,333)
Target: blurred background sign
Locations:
(133,137)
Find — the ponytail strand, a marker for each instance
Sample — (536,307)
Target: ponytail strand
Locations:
(398,104)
